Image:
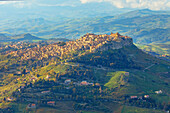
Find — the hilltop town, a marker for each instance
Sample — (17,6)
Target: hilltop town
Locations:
(87,43)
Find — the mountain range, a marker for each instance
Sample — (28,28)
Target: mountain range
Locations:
(140,24)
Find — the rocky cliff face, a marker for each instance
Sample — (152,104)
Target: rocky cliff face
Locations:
(116,44)
(105,42)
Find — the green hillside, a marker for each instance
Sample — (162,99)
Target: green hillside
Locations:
(162,49)
(158,50)
(126,57)
(102,81)
(118,79)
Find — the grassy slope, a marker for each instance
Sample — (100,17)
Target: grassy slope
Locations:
(52,68)
(62,107)
(118,108)
(130,109)
(162,49)
(65,107)
(139,82)
(118,78)
(127,57)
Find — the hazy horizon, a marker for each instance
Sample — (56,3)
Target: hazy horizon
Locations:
(74,8)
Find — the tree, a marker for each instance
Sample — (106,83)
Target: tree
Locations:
(4,99)
(11,75)
(84,98)
(74,90)
(77,97)
(32,68)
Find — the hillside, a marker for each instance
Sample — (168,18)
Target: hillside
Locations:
(4,38)
(18,38)
(159,50)
(156,36)
(59,40)
(95,73)
(141,13)
(142,28)
(25,37)
(118,79)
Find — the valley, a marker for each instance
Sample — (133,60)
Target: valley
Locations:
(145,26)
(158,50)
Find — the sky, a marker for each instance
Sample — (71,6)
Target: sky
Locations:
(132,4)
(150,4)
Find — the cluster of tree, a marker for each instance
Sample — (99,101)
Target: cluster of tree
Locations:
(95,105)
(79,73)
(61,43)
(7,110)
(148,103)
(111,58)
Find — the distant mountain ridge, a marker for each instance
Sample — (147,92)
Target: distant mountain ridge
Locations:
(22,37)
(26,36)
(3,38)
(141,13)
(139,24)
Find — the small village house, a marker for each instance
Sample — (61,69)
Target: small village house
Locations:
(158,92)
(133,97)
(127,73)
(97,84)
(44,92)
(68,81)
(31,106)
(146,96)
(48,76)
(84,83)
(9,99)
(51,103)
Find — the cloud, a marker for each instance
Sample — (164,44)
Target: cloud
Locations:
(8,2)
(87,1)
(150,4)
(44,3)
(3,2)
(71,3)
(19,3)
(53,5)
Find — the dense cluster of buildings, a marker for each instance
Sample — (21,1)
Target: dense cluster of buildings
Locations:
(89,42)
